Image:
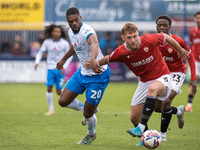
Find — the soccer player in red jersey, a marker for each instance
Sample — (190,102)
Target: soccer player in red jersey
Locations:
(195,46)
(177,69)
(145,61)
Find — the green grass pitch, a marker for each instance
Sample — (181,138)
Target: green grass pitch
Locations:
(23,125)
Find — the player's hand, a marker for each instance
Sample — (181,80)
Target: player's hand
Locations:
(60,64)
(193,84)
(87,64)
(95,66)
(184,54)
(36,66)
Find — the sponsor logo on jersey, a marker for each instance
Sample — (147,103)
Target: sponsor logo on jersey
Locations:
(167,58)
(196,40)
(87,30)
(143,62)
(170,50)
(146,49)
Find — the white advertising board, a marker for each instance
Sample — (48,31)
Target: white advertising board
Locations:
(22,72)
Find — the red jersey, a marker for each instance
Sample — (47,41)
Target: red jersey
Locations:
(195,42)
(145,62)
(174,63)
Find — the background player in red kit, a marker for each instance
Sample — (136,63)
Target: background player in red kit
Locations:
(195,46)
(177,69)
(145,61)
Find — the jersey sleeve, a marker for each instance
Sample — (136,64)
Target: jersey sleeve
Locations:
(43,48)
(114,56)
(157,39)
(87,32)
(190,40)
(192,66)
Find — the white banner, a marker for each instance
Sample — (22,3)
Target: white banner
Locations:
(22,71)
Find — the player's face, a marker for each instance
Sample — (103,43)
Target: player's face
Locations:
(56,33)
(74,22)
(131,39)
(163,26)
(197,20)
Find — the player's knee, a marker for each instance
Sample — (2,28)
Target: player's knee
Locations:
(152,91)
(61,102)
(59,92)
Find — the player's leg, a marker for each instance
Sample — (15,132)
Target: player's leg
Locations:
(137,104)
(188,107)
(68,100)
(91,120)
(157,87)
(136,113)
(49,93)
(60,78)
(138,101)
(167,110)
(166,115)
(94,94)
(71,91)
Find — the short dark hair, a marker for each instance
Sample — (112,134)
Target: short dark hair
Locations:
(197,13)
(164,17)
(72,11)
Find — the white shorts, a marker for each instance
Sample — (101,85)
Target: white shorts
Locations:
(177,81)
(142,88)
(197,64)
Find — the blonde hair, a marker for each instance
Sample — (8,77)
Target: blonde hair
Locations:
(130,27)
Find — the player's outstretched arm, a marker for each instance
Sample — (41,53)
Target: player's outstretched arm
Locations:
(193,82)
(103,61)
(183,53)
(60,64)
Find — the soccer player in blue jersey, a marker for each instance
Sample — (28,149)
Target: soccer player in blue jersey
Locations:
(85,44)
(56,46)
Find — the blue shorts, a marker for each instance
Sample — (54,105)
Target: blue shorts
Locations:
(94,85)
(54,76)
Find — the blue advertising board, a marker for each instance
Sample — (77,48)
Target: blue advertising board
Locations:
(119,10)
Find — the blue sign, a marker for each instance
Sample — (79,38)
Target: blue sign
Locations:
(106,10)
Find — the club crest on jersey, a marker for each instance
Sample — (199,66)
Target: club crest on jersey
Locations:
(75,44)
(170,50)
(146,49)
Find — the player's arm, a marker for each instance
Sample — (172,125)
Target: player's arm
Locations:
(192,82)
(94,48)
(60,64)
(39,55)
(103,61)
(183,53)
